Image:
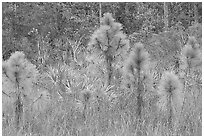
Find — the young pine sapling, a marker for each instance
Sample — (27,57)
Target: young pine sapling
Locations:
(109,42)
(136,70)
(20,74)
(171,97)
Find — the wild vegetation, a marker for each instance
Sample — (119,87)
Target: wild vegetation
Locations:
(77,69)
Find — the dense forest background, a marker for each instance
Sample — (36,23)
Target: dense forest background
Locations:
(25,25)
(102,68)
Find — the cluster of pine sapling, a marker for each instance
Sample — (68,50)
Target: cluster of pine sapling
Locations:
(19,76)
(170,89)
(173,88)
(111,45)
(107,41)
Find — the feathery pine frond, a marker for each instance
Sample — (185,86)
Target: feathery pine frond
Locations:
(108,35)
(137,62)
(192,55)
(189,52)
(16,66)
(4,67)
(138,59)
(107,19)
(20,71)
(8,86)
(86,96)
(99,38)
(193,42)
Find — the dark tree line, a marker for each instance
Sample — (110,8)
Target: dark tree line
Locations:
(73,20)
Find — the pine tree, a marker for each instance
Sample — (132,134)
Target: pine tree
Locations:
(191,64)
(20,74)
(191,55)
(136,69)
(171,97)
(110,42)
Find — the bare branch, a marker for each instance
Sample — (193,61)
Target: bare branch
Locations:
(118,44)
(36,99)
(6,94)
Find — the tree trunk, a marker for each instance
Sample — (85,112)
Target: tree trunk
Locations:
(18,105)
(195,12)
(139,104)
(109,71)
(100,12)
(170,114)
(166,21)
(139,96)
